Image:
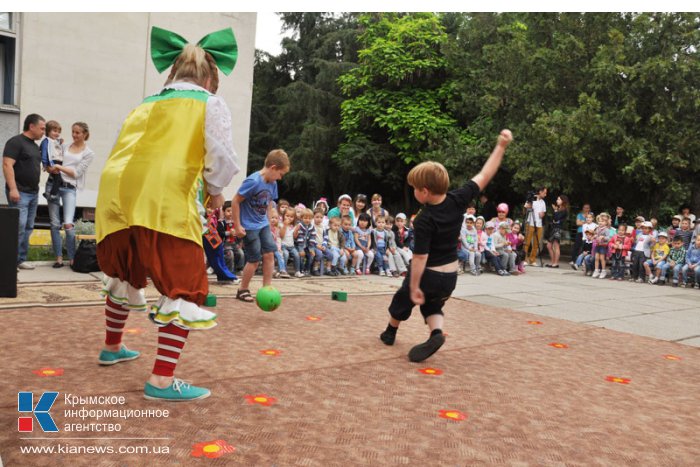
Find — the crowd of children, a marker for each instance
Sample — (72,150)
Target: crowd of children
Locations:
(648,252)
(366,241)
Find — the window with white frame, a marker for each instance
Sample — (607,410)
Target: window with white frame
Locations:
(8,41)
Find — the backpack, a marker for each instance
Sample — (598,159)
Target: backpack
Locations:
(85,259)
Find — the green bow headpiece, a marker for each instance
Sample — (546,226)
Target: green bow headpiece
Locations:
(166,46)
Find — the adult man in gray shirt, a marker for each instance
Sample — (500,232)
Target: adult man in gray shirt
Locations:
(21,166)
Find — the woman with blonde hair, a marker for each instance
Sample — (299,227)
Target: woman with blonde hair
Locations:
(173,156)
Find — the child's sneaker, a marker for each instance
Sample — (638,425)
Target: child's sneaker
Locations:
(653,280)
(675,283)
(596,273)
(422,351)
(367,272)
(573,266)
(381,272)
(298,274)
(123,355)
(315,272)
(603,273)
(284,275)
(178,391)
(358,272)
(639,280)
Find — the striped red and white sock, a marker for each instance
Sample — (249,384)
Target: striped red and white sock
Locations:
(116,316)
(171,340)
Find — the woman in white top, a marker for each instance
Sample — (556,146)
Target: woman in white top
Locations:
(76,160)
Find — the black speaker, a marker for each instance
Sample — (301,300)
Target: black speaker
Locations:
(9,226)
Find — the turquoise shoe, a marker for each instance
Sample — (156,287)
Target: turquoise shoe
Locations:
(124,355)
(178,391)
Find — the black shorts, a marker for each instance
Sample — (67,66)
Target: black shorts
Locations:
(437,288)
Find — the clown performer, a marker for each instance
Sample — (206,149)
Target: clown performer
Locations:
(171,150)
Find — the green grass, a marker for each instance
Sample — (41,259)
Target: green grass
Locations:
(40,253)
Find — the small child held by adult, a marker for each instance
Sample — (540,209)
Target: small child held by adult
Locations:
(251,207)
(52,153)
(433,274)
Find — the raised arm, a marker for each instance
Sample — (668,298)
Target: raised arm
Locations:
(488,171)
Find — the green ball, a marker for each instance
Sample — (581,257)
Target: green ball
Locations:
(268,298)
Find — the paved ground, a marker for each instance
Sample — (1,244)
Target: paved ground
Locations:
(662,312)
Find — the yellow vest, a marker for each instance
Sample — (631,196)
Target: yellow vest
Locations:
(154,173)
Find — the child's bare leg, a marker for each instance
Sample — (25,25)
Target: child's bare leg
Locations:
(268,266)
(435,322)
(647,269)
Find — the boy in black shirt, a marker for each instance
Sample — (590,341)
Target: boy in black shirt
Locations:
(433,273)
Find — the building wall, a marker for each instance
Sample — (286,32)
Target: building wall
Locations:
(96,67)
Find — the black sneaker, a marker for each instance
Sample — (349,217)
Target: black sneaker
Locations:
(388,337)
(315,272)
(422,351)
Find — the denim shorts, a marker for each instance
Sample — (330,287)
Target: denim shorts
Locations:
(258,242)
(603,250)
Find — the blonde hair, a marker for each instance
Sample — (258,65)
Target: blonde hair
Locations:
(278,158)
(196,66)
(306,212)
(430,175)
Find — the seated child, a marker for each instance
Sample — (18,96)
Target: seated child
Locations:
(363,240)
(318,244)
(336,247)
(586,256)
(505,251)
(469,240)
(404,238)
(492,255)
(676,260)
(379,237)
(279,257)
(353,253)
(233,252)
(619,247)
(692,263)
(641,251)
(517,241)
(659,253)
(302,232)
(397,266)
